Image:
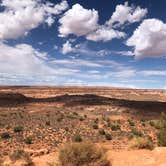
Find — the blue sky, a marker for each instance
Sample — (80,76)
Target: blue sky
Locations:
(92,43)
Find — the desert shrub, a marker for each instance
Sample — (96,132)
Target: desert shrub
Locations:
(142,143)
(108,120)
(162,134)
(85,116)
(131,123)
(108,124)
(82,154)
(75,113)
(151,123)
(96,121)
(136,132)
(156,124)
(101,132)
(108,136)
(5,135)
(18,129)
(78,138)
(143,124)
(130,136)
(81,118)
(21,154)
(48,123)
(59,119)
(28,140)
(95,126)
(162,138)
(66,129)
(115,127)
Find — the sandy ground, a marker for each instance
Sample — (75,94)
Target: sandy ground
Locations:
(156,157)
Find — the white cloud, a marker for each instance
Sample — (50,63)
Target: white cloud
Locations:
(50,8)
(84,22)
(67,48)
(153,72)
(76,63)
(149,39)
(78,21)
(104,33)
(125,53)
(22,59)
(88,63)
(125,13)
(19,17)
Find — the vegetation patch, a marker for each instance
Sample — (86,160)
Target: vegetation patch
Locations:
(162,134)
(18,129)
(82,154)
(21,155)
(141,143)
(78,138)
(5,135)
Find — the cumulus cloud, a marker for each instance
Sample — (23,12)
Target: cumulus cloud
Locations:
(19,17)
(149,39)
(105,34)
(125,13)
(78,21)
(67,48)
(22,59)
(84,22)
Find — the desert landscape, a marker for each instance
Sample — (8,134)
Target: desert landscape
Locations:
(41,120)
(82,83)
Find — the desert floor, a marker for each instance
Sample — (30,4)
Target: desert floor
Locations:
(42,119)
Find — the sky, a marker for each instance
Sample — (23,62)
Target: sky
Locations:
(83,43)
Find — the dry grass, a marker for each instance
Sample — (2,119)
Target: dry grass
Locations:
(82,154)
(21,155)
(141,143)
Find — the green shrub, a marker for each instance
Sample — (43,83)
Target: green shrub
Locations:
(101,132)
(162,137)
(95,126)
(81,118)
(82,154)
(75,113)
(28,140)
(142,143)
(77,138)
(18,129)
(96,121)
(5,135)
(136,132)
(48,123)
(85,116)
(162,134)
(108,136)
(108,120)
(109,124)
(66,129)
(152,123)
(59,119)
(130,136)
(131,123)
(156,124)
(115,127)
